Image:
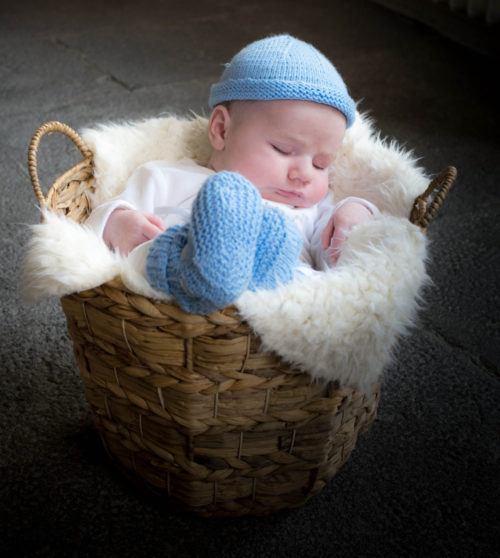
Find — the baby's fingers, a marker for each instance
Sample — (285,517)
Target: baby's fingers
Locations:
(336,243)
(326,235)
(150,230)
(156,221)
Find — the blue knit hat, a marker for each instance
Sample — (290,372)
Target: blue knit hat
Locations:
(282,67)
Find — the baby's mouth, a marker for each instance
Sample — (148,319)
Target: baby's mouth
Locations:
(290,194)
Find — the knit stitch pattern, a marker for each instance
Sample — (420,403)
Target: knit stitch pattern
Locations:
(283,67)
(225,222)
(208,263)
(231,244)
(162,263)
(278,249)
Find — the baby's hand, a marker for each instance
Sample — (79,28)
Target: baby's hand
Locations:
(127,228)
(341,222)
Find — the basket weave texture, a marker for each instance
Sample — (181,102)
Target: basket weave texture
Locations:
(188,404)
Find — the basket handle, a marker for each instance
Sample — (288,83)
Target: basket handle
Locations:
(49,128)
(423,212)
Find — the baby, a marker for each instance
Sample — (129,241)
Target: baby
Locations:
(261,213)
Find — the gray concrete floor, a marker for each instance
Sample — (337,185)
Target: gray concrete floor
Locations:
(424,480)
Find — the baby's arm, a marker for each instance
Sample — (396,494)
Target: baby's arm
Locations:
(126,228)
(128,220)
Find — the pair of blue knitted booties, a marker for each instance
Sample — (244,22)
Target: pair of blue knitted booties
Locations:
(233,243)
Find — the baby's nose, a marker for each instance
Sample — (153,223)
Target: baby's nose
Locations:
(299,174)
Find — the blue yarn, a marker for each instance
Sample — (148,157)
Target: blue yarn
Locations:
(232,244)
(207,264)
(162,262)
(278,251)
(225,222)
(168,264)
(283,67)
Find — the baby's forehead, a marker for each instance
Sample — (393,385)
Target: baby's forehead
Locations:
(296,117)
(278,106)
(244,108)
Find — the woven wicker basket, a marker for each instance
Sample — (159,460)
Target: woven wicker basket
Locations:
(188,404)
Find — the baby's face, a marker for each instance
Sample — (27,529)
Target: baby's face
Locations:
(283,147)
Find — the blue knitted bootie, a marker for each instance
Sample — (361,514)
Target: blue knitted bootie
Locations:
(278,250)
(162,262)
(207,264)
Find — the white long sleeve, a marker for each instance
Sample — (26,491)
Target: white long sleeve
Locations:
(162,188)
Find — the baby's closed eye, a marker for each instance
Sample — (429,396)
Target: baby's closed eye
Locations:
(281,150)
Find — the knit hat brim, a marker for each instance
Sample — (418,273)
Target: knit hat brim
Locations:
(269,90)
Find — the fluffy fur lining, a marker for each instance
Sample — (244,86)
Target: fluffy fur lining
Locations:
(341,325)
(344,325)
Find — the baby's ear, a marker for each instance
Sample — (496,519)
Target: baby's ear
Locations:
(217,127)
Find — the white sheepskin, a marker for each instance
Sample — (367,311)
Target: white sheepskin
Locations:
(341,325)
(120,148)
(64,257)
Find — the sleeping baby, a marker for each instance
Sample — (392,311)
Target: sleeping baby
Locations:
(261,213)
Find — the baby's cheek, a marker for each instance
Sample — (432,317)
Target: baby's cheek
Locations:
(320,191)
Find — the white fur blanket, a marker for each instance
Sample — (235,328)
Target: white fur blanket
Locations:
(339,326)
